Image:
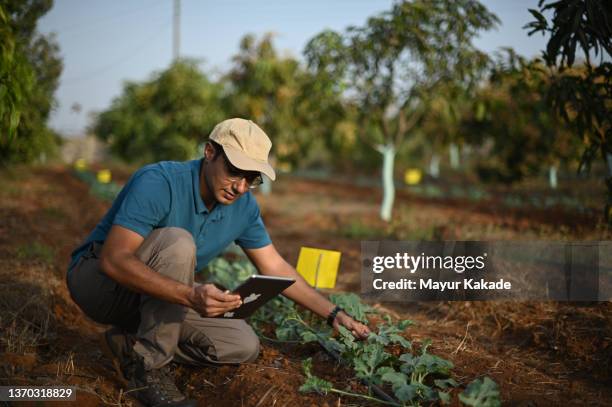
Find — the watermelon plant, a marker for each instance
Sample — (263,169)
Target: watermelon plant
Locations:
(386,362)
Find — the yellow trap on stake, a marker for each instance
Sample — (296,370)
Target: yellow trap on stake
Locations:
(319,267)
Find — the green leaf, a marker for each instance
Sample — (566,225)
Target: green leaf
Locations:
(315,384)
(445,383)
(406,393)
(307,366)
(539,17)
(395,378)
(481,393)
(308,336)
(381,371)
(361,367)
(445,397)
(352,304)
(286,333)
(401,340)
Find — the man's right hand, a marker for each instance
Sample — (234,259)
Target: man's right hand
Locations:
(209,301)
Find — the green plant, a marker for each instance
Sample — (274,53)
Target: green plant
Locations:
(482,393)
(314,384)
(414,378)
(356,229)
(36,251)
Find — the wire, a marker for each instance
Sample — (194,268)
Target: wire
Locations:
(97,22)
(126,57)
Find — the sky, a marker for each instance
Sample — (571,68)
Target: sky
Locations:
(104,43)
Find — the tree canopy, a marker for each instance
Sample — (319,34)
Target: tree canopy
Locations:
(29,76)
(164,118)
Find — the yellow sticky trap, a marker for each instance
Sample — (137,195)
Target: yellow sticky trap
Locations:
(80,164)
(319,267)
(104,176)
(413,176)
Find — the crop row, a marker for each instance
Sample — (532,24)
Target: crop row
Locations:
(386,362)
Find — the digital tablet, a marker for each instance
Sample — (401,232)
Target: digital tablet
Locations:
(255,292)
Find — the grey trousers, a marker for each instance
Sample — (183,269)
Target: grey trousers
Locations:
(163,331)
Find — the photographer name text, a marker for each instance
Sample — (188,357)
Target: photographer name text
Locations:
(431,284)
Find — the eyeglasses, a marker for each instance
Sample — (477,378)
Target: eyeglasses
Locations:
(253,178)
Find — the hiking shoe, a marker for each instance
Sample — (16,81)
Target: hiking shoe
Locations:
(118,347)
(154,387)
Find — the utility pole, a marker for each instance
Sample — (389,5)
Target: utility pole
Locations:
(176,38)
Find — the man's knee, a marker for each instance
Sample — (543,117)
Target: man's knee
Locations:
(175,243)
(250,349)
(244,349)
(166,249)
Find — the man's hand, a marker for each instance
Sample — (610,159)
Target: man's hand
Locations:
(359,330)
(209,301)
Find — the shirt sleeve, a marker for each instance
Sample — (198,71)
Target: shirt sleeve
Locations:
(255,234)
(145,204)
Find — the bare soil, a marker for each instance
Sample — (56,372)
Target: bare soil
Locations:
(540,354)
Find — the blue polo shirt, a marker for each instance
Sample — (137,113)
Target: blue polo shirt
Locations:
(167,194)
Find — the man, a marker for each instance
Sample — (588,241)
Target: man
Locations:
(135,270)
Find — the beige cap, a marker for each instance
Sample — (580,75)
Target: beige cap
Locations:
(245,145)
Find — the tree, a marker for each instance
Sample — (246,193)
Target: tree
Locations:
(29,76)
(164,118)
(583,98)
(391,65)
(510,115)
(264,87)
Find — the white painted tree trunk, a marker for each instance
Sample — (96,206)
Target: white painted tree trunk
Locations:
(552,176)
(266,187)
(434,166)
(388,151)
(609,160)
(453,150)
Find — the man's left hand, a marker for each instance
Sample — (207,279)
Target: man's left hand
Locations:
(359,330)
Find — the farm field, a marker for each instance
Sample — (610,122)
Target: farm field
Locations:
(539,354)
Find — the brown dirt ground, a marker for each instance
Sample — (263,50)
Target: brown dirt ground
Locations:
(539,353)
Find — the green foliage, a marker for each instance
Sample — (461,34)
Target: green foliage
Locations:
(29,75)
(165,118)
(511,115)
(413,378)
(352,304)
(269,89)
(583,22)
(392,64)
(313,383)
(36,251)
(107,192)
(481,393)
(16,80)
(229,274)
(583,97)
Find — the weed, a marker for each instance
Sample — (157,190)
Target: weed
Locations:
(482,393)
(36,251)
(360,231)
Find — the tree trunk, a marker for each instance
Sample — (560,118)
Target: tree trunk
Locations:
(434,166)
(608,209)
(453,151)
(266,187)
(552,176)
(388,151)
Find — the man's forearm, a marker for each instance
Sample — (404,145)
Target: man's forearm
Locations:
(129,271)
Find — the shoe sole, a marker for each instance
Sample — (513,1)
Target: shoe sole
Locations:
(106,349)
